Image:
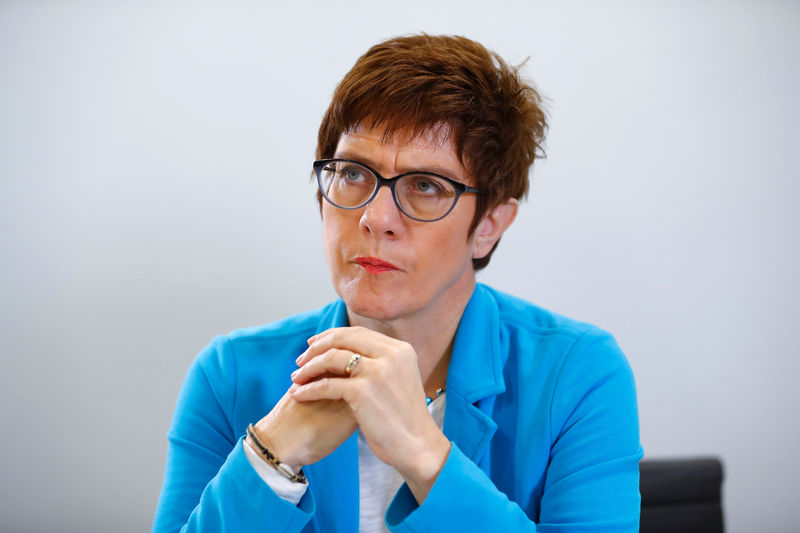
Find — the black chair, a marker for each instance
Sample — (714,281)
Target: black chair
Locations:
(681,495)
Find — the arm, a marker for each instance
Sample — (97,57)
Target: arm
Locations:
(209,484)
(289,490)
(593,477)
(591,482)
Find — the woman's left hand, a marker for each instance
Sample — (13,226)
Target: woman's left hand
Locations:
(385,394)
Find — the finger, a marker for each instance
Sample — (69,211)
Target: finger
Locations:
(322,389)
(305,356)
(334,362)
(356,339)
(321,334)
(302,358)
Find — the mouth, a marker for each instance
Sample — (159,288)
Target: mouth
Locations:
(373,265)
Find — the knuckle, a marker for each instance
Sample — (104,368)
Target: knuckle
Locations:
(361,388)
(382,372)
(327,359)
(355,392)
(326,356)
(408,352)
(320,344)
(339,356)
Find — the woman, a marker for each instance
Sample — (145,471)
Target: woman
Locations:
(420,400)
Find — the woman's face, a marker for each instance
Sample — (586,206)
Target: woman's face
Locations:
(384,265)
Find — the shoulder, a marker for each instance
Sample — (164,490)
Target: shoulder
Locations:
(278,342)
(530,319)
(573,367)
(539,337)
(296,326)
(247,370)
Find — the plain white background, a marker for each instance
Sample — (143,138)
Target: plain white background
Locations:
(154,192)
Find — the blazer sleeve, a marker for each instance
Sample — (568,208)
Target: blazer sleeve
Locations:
(592,480)
(209,484)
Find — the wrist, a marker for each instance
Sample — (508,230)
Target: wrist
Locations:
(285,451)
(263,448)
(424,466)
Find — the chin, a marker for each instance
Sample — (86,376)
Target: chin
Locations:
(372,307)
(370,304)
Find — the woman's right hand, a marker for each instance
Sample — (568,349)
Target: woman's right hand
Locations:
(303,433)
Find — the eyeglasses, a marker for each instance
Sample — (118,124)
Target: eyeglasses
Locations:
(422,196)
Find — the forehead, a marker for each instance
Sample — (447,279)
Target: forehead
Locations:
(403,150)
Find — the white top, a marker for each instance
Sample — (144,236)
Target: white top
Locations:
(378,482)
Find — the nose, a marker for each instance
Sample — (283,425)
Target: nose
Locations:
(382,216)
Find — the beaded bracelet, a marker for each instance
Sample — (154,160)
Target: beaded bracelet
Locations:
(282,468)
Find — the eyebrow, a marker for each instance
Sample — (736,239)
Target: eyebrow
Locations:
(442,171)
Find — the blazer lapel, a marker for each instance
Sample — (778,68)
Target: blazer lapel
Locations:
(475,376)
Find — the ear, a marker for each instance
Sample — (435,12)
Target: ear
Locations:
(492,226)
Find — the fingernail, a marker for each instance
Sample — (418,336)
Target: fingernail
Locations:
(311,339)
(296,372)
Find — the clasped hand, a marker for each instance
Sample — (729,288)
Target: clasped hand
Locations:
(384,394)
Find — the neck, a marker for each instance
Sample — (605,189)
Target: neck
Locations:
(430,331)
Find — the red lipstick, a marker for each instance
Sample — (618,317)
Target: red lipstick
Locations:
(373,265)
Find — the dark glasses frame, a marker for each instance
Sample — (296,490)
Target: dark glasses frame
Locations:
(459,187)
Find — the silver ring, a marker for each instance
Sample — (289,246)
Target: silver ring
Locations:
(351,364)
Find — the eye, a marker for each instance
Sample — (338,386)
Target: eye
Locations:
(427,186)
(352,174)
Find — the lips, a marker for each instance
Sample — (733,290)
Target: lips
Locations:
(374,265)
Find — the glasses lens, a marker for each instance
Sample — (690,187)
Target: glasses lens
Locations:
(346,184)
(425,197)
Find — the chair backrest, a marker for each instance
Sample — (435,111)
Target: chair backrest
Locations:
(681,495)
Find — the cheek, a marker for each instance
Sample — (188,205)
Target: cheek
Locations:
(444,253)
(328,235)
(453,238)
(333,233)
(329,243)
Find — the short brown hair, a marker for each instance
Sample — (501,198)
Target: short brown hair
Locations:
(495,119)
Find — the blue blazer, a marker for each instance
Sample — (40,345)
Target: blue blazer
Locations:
(541,412)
